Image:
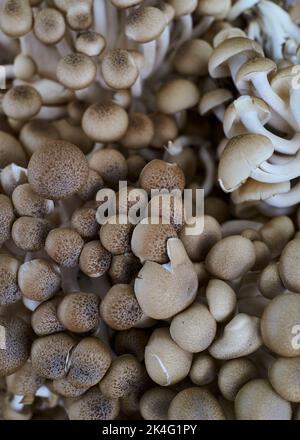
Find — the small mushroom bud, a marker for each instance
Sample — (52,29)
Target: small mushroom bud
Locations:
(241,337)
(84,220)
(64,388)
(92,185)
(15,18)
(90,43)
(284,378)
(79,312)
(49,355)
(155,403)
(110,164)
(276,233)
(122,377)
(76,71)
(177,95)
(231,258)
(139,133)
(29,233)
(94,406)
(115,234)
(160,175)
(195,404)
(131,341)
(194,329)
(233,375)
(49,26)
(21,102)
(28,203)
(88,363)
(258,401)
(64,246)
(44,320)
(9,289)
(6,218)
(269,282)
(123,268)
(11,151)
(203,370)
(119,308)
(221,300)
(94,260)
(289,266)
(39,279)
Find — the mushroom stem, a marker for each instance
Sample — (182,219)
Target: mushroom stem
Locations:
(99,13)
(286,200)
(235,227)
(149,52)
(30,304)
(112,19)
(240,7)
(204,24)
(16,403)
(52,113)
(162,47)
(294,105)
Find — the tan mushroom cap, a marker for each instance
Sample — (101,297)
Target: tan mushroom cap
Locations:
(203,370)
(36,133)
(64,388)
(159,175)
(92,185)
(49,355)
(110,164)
(214,99)
(195,404)
(192,57)
(11,151)
(76,71)
(216,8)
(183,8)
(39,279)
(242,155)
(251,68)
(165,130)
(278,324)
(94,259)
(277,232)
(218,63)
(176,95)
(17,345)
(282,81)
(24,67)
(90,43)
(79,15)
(7,217)
(155,403)
(30,233)
(139,133)
(89,361)
(15,18)
(252,190)
(9,289)
(115,234)
(226,33)
(28,203)
(107,122)
(119,308)
(64,246)
(119,69)
(123,268)
(84,221)
(58,170)
(21,102)
(284,377)
(49,25)
(122,377)
(24,382)
(221,299)
(44,320)
(194,329)
(145,24)
(78,312)
(233,374)
(258,401)
(165,361)
(289,266)
(269,282)
(94,406)
(230,258)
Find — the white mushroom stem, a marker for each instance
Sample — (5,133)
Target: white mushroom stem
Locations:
(30,304)
(99,14)
(16,403)
(162,47)
(235,63)
(186,23)
(273,211)
(180,118)
(204,24)
(233,227)
(52,113)
(43,391)
(270,173)
(149,52)
(286,200)
(209,163)
(254,32)
(239,8)
(294,105)
(112,19)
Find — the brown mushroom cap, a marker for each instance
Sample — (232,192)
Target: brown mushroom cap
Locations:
(49,25)
(36,133)
(139,133)
(30,233)
(24,382)
(192,57)
(119,69)
(195,404)
(84,220)
(21,102)
(155,403)
(289,266)
(213,99)
(119,308)
(123,268)
(90,43)
(131,341)
(165,130)
(284,377)
(49,355)
(105,122)
(17,345)
(76,71)
(92,185)
(94,259)
(79,312)
(94,406)
(110,164)
(89,361)
(276,233)
(135,165)
(9,289)
(115,234)
(64,246)
(79,16)
(233,374)
(203,370)
(15,18)
(57,170)
(158,175)
(64,388)
(145,24)
(177,95)
(11,151)
(28,203)
(44,320)
(6,218)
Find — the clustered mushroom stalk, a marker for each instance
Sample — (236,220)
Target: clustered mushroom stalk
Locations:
(122,297)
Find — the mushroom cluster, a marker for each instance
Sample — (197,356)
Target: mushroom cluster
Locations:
(149,210)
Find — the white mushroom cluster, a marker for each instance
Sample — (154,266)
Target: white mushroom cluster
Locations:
(149,210)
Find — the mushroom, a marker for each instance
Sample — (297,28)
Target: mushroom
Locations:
(29,233)
(139,133)
(165,129)
(76,71)
(84,221)
(119,69)
(123,268)
(12,176)
(158,175)
(64,246)
(221,300)
(44,320)
(9,289)
(90,43)
(29,204)
(93,405)
(131,341)
(16,17)
(94,259)
(233,374)
(92,185)
(270,283)
(203,370)
(110,164)
(79,312)
(49,26)
(21,102)
(22,68)
(35,133)
(177,95)
(276,233)
(192,57)
(284,378)
(11,151)
(7,218)
(64,388)
(288,266)
(115,234)
(155,403)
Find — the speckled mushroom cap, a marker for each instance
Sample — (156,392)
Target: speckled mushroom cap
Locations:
(176,95)
(204,369)
(57,170)
(49,355)
(115,234)
(7,217)
(24,382)
(94,259)
(167,208)
(278,324)
(64,246)
(88,363)
(123,268)
(119,308)
(145,24)
(15,18)
(233,374)
(9,289)
(256,400)
(94,406)
(159,175)
(11,151)
(28,203)
(165,361)
(90,43)
(122,377)
(36,133)
(29,233)
(110,164)
(76,71)
(106,122)
(154,403)
(284,377)
(92,185)
(119,69)
(17,338)
(192,57)
(149,241)
(44,320)
(64,388)
(84,221)
(231,257)
(79,312)
(39,279)
(139,133)
(195,404)
(49,25)
(289,266)
(21,102)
